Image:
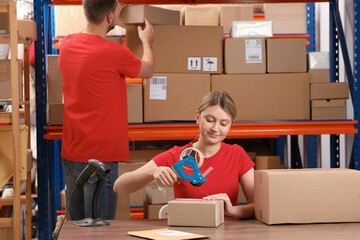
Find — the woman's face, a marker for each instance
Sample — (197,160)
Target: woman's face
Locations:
(214,124)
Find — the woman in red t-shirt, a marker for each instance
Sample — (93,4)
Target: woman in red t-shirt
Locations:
(226,165)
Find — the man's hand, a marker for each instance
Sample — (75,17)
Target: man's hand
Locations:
(146,35)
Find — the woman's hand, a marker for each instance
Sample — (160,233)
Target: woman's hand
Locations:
(229,208)
(165,175)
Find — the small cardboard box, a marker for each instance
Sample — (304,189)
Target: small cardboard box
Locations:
(195,212)
(287,18)
(201,15)
(27,29)
(136,14)
(319,75)
(334,90)
(328,109)
(228,14)
(54,80)
(182,49)
(174,97)
(151,211)
(155,196)
(267,162)
(307,195)
(135,103)
(55,113)
(267,96)
(285,55)
(245,55)
(5,79)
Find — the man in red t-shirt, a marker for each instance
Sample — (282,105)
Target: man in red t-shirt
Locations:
(95,123)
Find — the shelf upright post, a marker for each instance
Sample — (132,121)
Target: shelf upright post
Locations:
(356,97)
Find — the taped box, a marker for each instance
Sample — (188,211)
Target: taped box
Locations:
(333,90)
(195,212)
(307,195)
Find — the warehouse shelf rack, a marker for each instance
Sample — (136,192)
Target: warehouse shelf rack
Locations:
(42,12)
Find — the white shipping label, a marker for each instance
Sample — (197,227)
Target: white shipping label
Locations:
(174,233)
(194,63)
(253,51)
(158,88)
(210,64)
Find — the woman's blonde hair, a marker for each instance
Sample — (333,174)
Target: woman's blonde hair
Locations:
(220,98)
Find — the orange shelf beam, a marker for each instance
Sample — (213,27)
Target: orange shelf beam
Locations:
(158,132)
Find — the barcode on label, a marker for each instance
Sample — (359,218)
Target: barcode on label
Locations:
(253,57)
(158,80)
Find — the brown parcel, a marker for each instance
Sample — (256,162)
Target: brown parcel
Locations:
(5,79)
(135,103)
(267,162)
(136,14)
(334,90)
(267,96)
(195,212)
(183,94)
(328,109)
(228,14)
(175,46)
(55,113)
(307,195)
(54,80)
(286,55)
(244,55)
(201,15)
(151,211)
(319,75)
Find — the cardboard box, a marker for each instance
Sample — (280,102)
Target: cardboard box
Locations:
(228,14)
(267,162)
(5,79)
(151,211)
(287,18)
(182,49)
(334,90)
(201,15)
(136,14)
(286,55)
(307,195)
(328,109)
(319,75)
(6,233)
(63,198)
(27,29)
(245,55)
(319,60)
(267,96)
(251,29)
(55,113)
(175,7)
(195,212)
(135,103)
(136,198)
(155,196)
(143,155)
(54,80)
(123,207)
(176,98)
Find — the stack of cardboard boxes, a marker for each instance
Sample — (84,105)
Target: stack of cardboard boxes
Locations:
(155,200)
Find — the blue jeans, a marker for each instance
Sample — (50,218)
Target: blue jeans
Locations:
(80,200)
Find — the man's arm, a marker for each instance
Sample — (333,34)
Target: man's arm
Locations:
(148,65)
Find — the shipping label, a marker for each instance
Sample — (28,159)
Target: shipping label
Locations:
(158,88)
(253,51)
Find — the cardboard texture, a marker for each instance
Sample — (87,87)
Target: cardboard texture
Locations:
(27,29)
(201,15)
(182,49)
(176,99)
(285,55)
(123,207)
(4,21)
(114,39)
(175,7)
(136,198)
(267,162)
(5,79)
(151,211)
(287,18)
(251,29)
(143,155)
(135,103)
(55,113)
(267,96)
(319,75)
(228,14)
(195,212)
(136,14)
(244,55)
(6,233)
(166,234)
(54,80)
(335,90)
(155,196)
(319,60)
(307,196)
(328,109)
(63,198)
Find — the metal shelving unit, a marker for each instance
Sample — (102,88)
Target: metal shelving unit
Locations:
(140,132)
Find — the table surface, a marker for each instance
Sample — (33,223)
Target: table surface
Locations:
(231,229)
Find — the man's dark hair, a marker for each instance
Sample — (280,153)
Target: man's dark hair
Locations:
(96,10)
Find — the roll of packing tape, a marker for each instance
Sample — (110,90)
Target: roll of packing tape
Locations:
(199,158)
(163,212)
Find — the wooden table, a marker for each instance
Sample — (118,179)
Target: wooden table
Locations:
(231,229)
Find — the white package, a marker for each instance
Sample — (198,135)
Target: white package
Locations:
(250,29)
(319,60)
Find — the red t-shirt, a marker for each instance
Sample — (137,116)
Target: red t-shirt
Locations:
(229,164)
(95,118)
